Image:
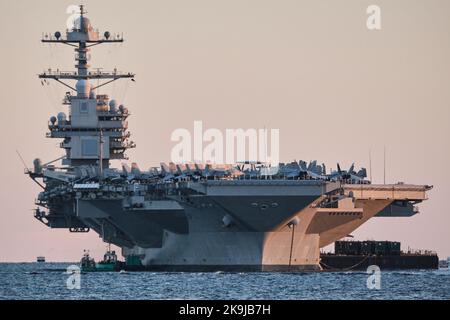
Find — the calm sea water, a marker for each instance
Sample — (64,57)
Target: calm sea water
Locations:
(48,281)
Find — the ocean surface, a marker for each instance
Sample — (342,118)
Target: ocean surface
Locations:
(49,281)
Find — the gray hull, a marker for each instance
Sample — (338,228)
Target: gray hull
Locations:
(238,225)
(216,228)
(240,246)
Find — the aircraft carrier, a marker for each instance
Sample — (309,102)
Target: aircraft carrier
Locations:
(193,217)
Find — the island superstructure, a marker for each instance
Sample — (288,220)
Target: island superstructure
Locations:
(192,217)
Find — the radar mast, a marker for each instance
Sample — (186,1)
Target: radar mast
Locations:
(95,130)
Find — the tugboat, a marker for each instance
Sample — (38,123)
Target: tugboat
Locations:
(109,262)
(87,263)
(444,264)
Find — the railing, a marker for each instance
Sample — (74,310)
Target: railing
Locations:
(64,145)
(419,252)
(110,114)
(113,124)
(49,73)
(59,124)
(122,145)
(50,37)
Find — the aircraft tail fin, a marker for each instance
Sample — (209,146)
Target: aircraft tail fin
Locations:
(362,173)
(164,167)
(135,168)
(126,168)
(352,168)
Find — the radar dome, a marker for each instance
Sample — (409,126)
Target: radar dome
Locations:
(123,109)
(83,88)
(61,117)
(53,119)
(113,105)
(57,35)
(83,24)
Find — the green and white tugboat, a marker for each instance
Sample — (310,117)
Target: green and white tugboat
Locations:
(87,263)
(109,262)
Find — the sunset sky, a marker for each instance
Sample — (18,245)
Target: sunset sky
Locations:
(311,69)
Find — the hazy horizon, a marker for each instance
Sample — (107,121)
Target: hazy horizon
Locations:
(309,68)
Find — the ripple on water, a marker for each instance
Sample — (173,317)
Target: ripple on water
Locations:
(48,281)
